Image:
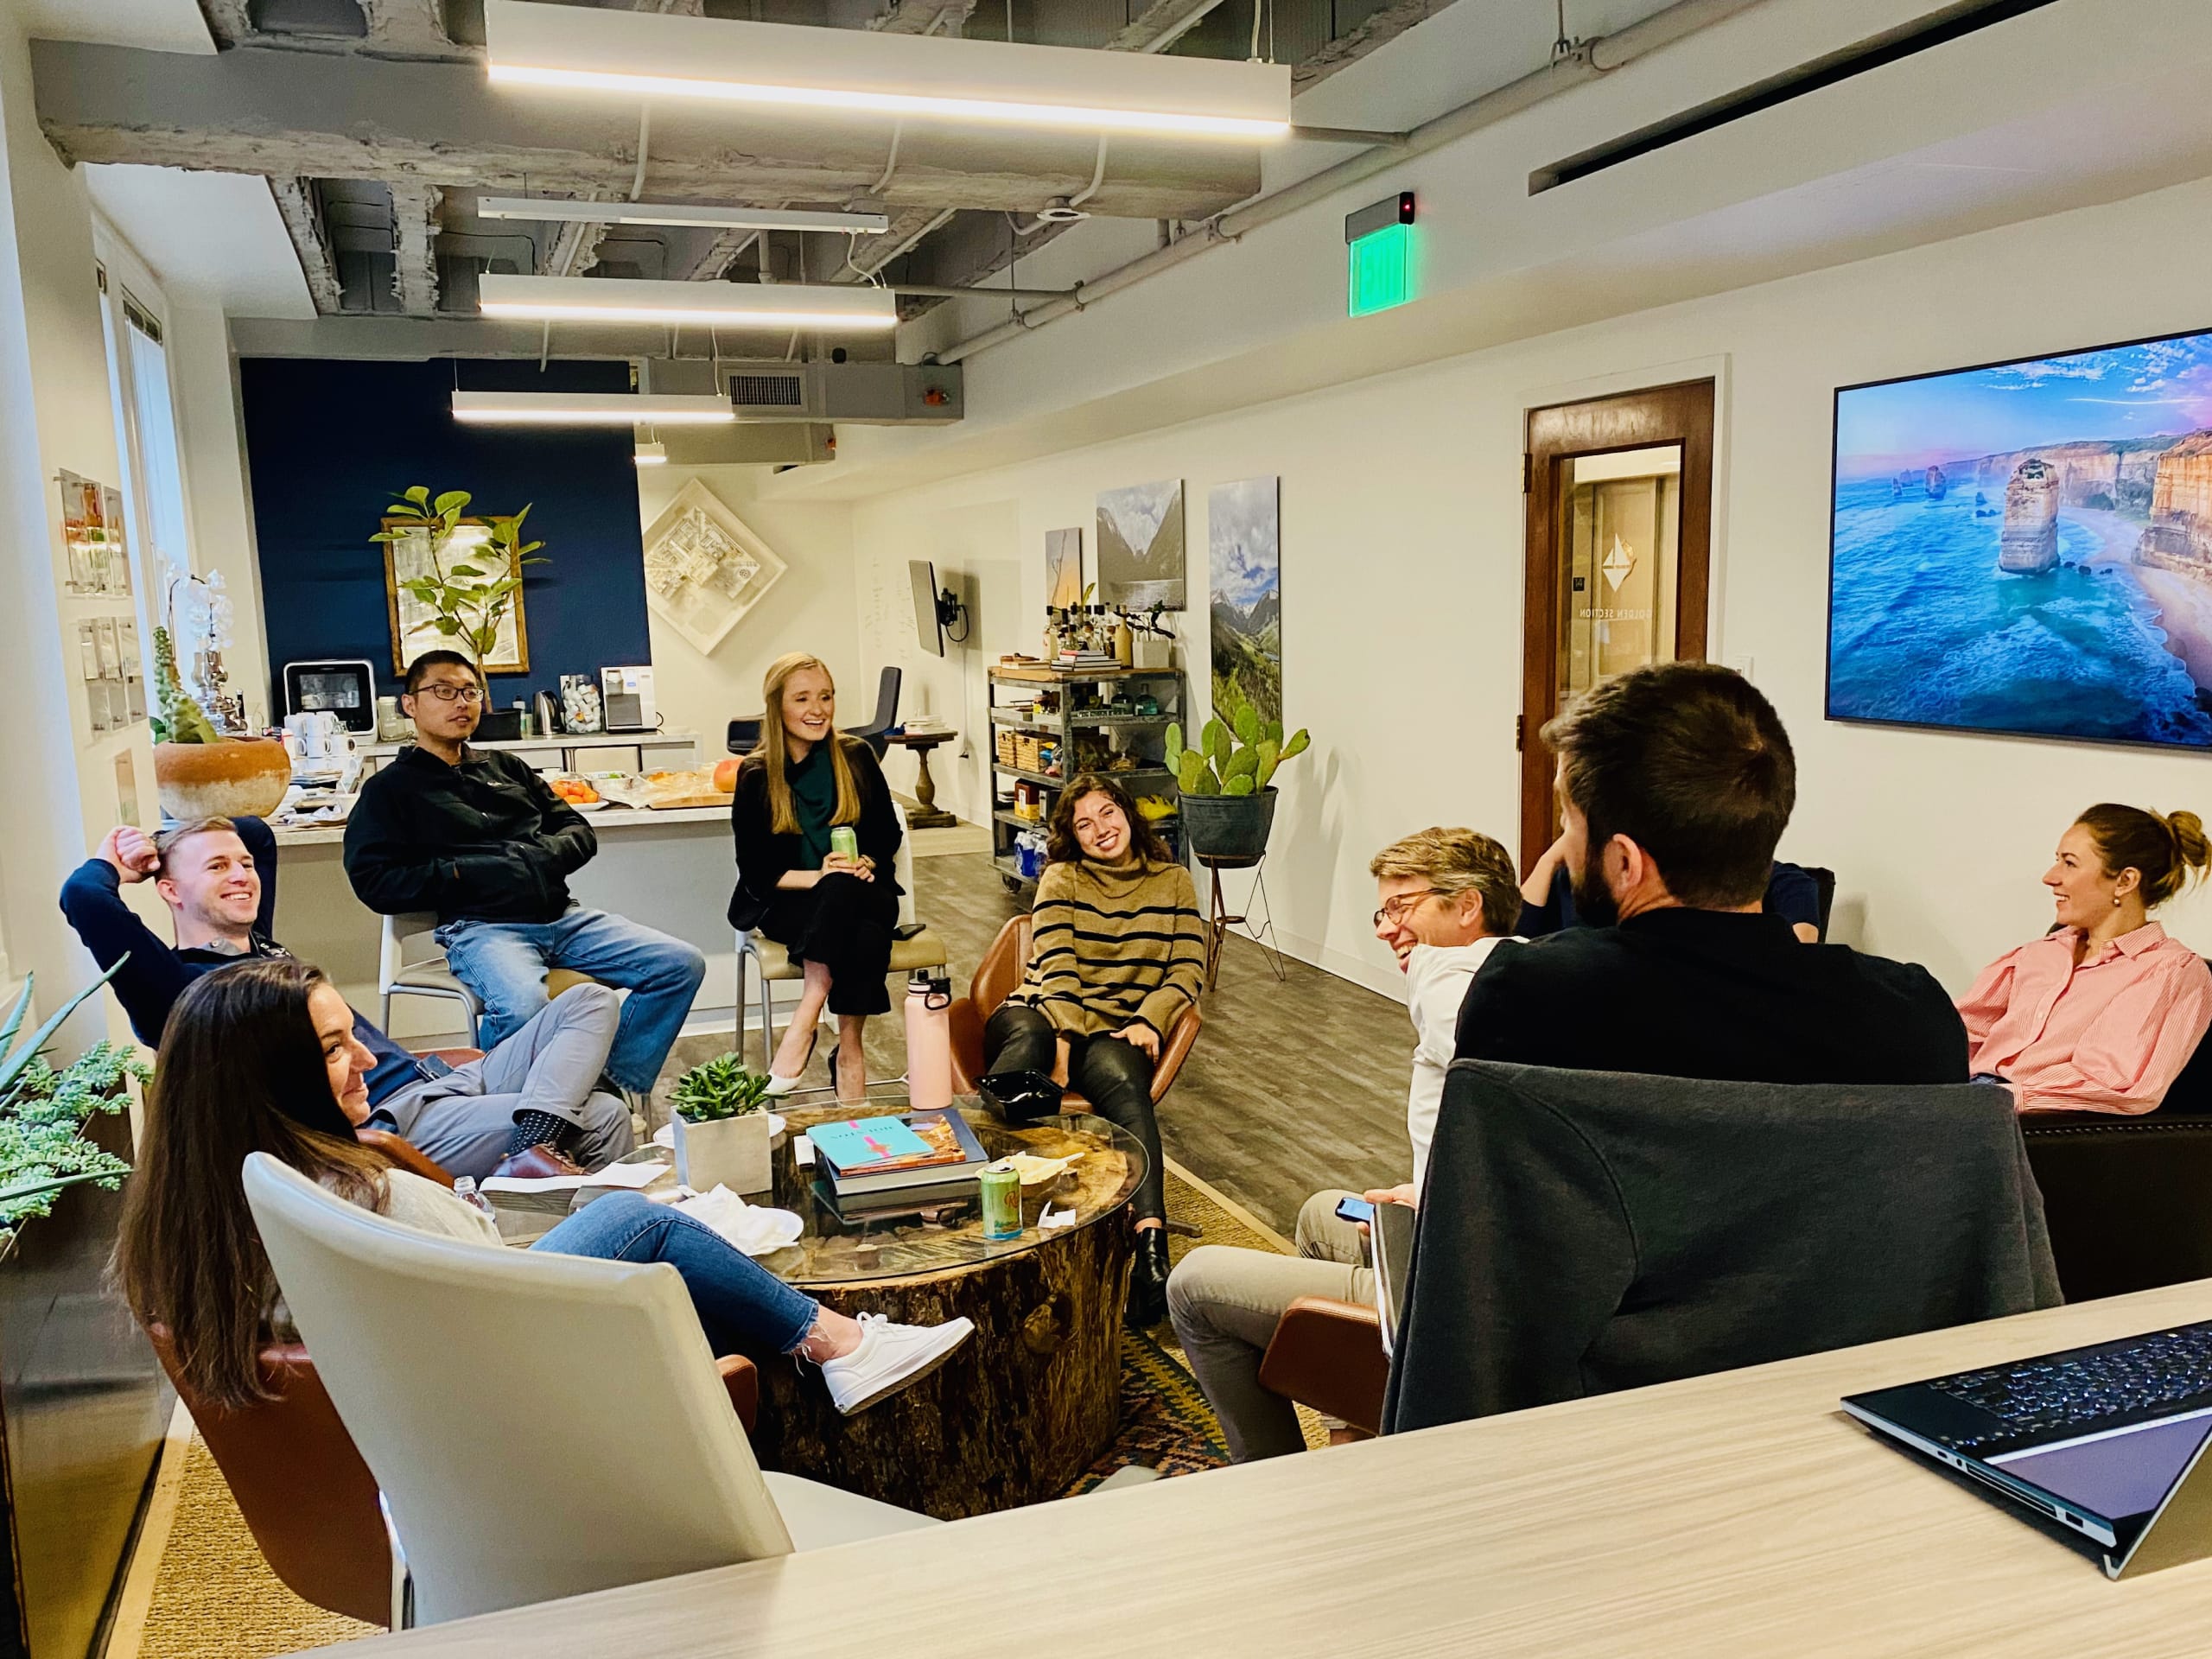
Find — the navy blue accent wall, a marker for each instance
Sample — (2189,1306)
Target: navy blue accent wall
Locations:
(326,439)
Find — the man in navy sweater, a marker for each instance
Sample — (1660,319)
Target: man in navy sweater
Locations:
(533,1106)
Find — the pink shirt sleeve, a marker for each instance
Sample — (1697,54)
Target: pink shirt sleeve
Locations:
(2132,1052)
(1985,1003)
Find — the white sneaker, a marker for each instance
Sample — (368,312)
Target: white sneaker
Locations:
(888,1359)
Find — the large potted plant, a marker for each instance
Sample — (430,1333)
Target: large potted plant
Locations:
(1228,803)
(43,1149)
(198,772)
(722,1126)
(470,599)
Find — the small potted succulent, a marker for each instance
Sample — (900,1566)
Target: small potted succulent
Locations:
(1228,804)
(721,1117)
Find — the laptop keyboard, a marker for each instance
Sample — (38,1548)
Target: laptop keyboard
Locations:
(2081,1390)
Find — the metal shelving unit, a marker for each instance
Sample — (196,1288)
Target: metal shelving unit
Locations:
(1084,716)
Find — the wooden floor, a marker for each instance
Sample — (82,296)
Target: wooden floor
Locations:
(1294,1085)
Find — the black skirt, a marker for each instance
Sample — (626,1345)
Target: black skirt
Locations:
(844,923)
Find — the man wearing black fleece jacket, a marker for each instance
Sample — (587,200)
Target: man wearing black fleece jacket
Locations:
(511,1112)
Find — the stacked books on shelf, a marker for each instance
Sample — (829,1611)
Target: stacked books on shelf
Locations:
(903,1163)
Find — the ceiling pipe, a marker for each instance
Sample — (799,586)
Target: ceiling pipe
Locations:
(1590,61)
(931,291)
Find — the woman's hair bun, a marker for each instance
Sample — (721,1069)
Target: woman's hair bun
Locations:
(2189,840)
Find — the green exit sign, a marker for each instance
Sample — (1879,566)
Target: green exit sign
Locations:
(1378,243)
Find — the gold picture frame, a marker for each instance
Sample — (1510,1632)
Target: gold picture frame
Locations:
(414,626)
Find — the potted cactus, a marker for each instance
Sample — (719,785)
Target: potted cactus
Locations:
(721,1120)
(1229,801)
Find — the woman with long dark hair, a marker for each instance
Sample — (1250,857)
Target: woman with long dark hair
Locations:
(1117,952)
(2101,1013)
(262,1057)
(833,911)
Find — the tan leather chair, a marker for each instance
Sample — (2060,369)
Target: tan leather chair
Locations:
(1000,974)
(1328,1354)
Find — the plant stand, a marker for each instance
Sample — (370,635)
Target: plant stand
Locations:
(1221,920)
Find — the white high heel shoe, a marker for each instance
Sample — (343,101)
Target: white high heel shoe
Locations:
(780,1086)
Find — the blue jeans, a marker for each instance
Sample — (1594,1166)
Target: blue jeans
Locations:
(740,1304)
(503,965)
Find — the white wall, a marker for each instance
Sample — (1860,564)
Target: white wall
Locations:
(1402,534)
(810,608)
(55,414)
(211,440)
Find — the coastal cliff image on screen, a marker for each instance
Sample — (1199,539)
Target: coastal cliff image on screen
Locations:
(2028,548)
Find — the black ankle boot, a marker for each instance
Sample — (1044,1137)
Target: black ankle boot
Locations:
(1147,1281)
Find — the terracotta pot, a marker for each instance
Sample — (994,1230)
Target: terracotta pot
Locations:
(240,778)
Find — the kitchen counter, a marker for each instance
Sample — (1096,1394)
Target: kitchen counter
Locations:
(562,740)
(618,819)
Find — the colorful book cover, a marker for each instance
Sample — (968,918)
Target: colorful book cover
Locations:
(865,1143)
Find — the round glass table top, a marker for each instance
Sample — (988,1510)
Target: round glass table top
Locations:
(893,1242)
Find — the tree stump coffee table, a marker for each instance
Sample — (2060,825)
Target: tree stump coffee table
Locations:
(1030,1401)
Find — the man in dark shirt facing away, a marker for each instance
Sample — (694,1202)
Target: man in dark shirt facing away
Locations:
(1674,785)
(531,1106)
(478,838)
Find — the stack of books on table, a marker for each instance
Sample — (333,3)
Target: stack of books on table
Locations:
(904,1162)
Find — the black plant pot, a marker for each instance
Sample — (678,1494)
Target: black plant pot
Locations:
(1229,826)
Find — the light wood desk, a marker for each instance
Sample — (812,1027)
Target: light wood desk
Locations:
(1729,1515)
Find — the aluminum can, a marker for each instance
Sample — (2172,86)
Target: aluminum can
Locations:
(842,840)
(999,1185)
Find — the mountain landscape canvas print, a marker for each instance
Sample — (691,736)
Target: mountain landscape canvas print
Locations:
(2027,548)
(1140,546)
(1244,560)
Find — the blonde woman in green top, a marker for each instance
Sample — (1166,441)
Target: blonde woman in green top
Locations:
(1117,952)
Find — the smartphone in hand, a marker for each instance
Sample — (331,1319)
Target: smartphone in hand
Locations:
(1351,1209)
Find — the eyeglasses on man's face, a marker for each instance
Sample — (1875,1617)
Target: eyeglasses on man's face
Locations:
(1400,905)
(446,691)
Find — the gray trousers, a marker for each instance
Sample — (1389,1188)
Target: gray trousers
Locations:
(466,1119)
(1225,1303)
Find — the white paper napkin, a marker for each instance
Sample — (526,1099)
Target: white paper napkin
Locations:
(753,1228)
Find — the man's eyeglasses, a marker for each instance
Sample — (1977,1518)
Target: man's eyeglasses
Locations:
(449,693)
(1398,906)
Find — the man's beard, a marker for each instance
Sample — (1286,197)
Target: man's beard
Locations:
(1593,900)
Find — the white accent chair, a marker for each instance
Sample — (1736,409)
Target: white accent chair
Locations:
(772,964)
(421,974)
(540,1425)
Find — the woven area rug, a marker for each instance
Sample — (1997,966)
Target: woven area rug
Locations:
(213,1598)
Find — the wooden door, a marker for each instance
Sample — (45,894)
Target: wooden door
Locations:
(1620,495)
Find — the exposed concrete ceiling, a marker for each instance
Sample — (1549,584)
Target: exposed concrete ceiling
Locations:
(213,238)
(323,97)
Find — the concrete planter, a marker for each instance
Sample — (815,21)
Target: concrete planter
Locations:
(731,1152)
(1228,826)
(240,778)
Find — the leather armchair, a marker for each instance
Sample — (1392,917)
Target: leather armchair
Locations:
(1328,1354)
(999,974)
(2125,1199)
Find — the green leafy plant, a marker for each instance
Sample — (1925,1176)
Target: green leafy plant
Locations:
(43,1112)
(180,719)
(470,599)
(722,1087)
(1238,756)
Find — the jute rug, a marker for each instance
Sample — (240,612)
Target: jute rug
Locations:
(212,1596)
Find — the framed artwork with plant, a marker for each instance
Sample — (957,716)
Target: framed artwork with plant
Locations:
(454,582)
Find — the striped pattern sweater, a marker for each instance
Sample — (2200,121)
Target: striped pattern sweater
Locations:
(1109,946)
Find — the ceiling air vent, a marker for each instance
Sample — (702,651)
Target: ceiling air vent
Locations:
(768,390)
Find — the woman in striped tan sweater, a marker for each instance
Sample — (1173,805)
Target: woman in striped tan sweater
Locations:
(1117,953)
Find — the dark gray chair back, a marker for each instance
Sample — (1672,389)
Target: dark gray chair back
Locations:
(1584,1231)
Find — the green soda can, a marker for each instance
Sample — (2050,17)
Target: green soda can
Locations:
(842,840)
(1000,1186)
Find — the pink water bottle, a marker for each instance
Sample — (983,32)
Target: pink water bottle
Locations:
(928,1042)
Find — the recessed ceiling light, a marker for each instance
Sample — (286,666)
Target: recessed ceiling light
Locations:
(653,213)
(728,305)
(655,55)
(589,409)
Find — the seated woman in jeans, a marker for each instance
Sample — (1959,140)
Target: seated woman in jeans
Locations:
(262,1057)
(833,911)
(2101,1013)
(1117,952)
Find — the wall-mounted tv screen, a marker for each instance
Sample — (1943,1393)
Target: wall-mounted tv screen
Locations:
(2027,547)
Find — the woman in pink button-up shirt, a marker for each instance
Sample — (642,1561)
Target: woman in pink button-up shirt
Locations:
(2101,1014)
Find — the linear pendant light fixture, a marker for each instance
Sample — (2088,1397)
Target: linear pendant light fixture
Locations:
(589,409)
(672,213)
(660,54)
(860,306)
